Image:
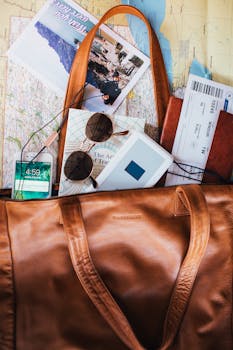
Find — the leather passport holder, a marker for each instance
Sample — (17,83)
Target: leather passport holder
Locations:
(220,158)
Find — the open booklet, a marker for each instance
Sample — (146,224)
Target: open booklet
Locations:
(48,45)
(101,153)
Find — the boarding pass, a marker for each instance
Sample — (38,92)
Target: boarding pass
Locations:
(203,101)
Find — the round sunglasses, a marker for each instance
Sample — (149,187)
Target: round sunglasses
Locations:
(79,164)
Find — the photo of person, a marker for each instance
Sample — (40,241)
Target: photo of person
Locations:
(111,69)
(111,89)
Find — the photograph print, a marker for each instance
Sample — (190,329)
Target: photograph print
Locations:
(113,69)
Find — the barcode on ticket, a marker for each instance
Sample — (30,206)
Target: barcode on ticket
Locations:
(206,89)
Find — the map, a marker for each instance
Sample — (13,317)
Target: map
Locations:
(189,31)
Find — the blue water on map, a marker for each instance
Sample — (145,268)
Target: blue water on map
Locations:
(198,69)
(155,11)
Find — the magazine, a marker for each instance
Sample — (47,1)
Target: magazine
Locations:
(100,152)
(48,45)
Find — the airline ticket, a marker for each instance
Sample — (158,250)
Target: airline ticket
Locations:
(202,103)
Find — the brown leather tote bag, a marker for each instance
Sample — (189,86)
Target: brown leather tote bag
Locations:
(138,269)
(143,269)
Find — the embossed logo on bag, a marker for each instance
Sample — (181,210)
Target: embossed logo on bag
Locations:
(129,216)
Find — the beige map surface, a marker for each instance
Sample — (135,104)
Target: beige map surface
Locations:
(201,29)
(7,10)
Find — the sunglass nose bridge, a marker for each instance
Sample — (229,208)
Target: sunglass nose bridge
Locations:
(121,133)
(86,145)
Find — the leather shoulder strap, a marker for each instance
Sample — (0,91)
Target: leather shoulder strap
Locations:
(193,199)
(80,64)
(89,277)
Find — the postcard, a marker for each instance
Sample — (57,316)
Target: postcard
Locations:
(48,45)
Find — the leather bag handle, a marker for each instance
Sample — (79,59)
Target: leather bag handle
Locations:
(79,67)
(194,200)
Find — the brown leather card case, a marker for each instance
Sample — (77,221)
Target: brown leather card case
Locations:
(220,159)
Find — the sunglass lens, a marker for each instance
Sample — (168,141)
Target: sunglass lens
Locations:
(78,166)
(99,127)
